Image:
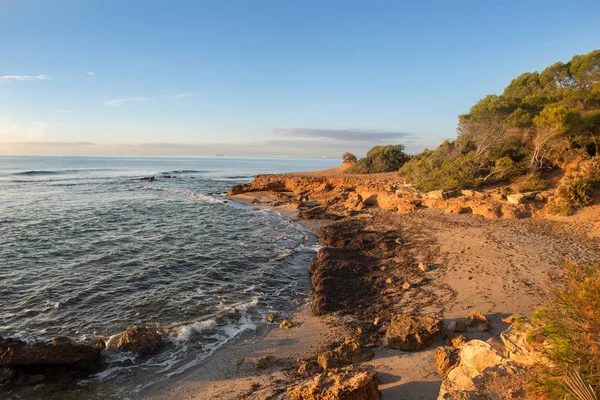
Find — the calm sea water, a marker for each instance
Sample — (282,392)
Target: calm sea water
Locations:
(87,249)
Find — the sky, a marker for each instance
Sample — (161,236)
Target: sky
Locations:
(265,78)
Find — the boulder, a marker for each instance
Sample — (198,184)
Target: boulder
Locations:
(264,362)
(476,318)
(347,353)
(519,348)
(413,333)
(446,358)
(354,202)
(479,355)
(437,195)
(349,384)
(286,324)
(487,210)
(458,325)
(516,198)
(141,339)
(60,351)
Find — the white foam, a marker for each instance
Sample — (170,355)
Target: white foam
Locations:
(198,196)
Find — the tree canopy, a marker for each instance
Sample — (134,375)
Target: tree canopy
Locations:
(380,159)
(538,119)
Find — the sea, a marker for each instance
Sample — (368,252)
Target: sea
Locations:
(89,248)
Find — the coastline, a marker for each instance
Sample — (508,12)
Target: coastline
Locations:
(495,266)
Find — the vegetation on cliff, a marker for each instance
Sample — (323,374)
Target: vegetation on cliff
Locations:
(539,122)
(380,159)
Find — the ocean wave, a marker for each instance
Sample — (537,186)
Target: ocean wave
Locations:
(199,196)
(183,171)
(36,172)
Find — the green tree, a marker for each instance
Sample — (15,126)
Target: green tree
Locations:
(349,158)
(381,159)
(553,122)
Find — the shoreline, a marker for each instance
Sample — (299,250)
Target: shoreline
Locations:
(494,266)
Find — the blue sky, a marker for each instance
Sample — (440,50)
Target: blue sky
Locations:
(305,78)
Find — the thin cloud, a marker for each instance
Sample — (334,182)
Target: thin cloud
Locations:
(118,102)
(188,94)
(343,134)
(89,73)
(9,78)
(64,111)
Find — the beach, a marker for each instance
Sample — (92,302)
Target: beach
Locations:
(498,267)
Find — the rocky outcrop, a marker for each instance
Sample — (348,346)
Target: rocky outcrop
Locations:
(59,351)
(323,197)
(348,384)
(487,370)
(141,339)
(413,333)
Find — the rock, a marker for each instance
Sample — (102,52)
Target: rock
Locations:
(348,384)
(519,347)
(423,267)
(272,318)
(484,327)
(457,341)
(446,358)
(530,195)
(348,352)
(406,285)
(33,379)
(516,198)
(456,206)
(354,202)
(487,210)
(286,324)
(510,319)
(389,281)
(6,374)
(476,318)
(264,362)
(482,373)
(60,351)
(377,321)
(412,333)
(437,195)
(479,355)
(141,339)
(458,325)
(309,368)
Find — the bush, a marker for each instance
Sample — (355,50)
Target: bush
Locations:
(570,322)
(433,171)
(349,158)
(532,183)
(380,159)
(576,191)
(562,208)
(591,171)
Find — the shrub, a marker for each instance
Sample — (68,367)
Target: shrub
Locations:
(435,171)
(349,158)
(562,208)
(532,183)
(576,191)
(380,159)
(569,320)
(591,171)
